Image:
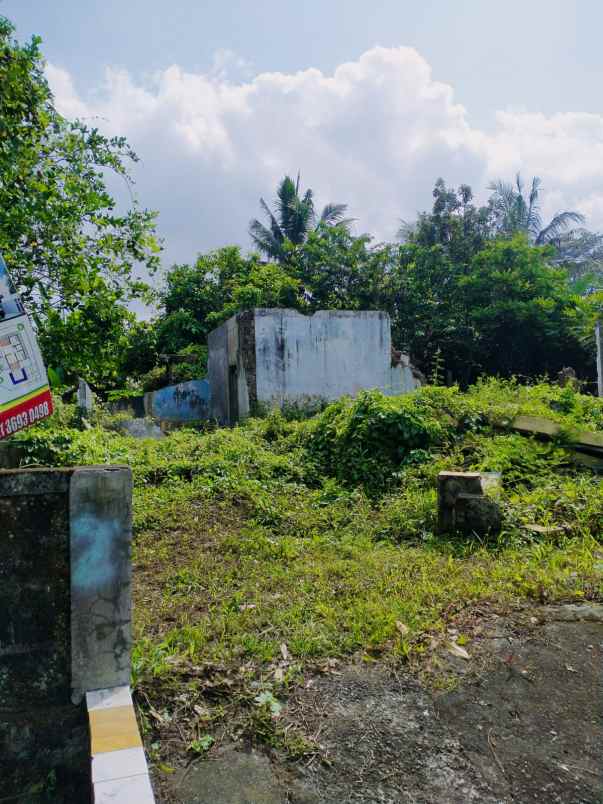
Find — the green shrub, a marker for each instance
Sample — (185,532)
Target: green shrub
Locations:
(371,439)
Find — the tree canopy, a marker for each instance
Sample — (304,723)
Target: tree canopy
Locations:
(70,251)
(293,218)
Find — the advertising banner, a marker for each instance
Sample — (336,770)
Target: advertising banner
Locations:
(24,392)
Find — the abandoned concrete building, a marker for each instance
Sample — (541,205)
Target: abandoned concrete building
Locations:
(267,357)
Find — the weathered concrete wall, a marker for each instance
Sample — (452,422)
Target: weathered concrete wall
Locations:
(185,402)
(65,624)
(218,370)
(231,369)
(330,354)
(133,405)
(11,454)
(268,357)
(100,522)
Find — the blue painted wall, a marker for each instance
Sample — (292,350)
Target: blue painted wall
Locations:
(186,402)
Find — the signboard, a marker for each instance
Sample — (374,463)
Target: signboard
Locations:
(24,392)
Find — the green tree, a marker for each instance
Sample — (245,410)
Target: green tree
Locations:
(66,245)
(514,212)
(522,311)
(294,216)
(454,223)
(510,312)
(199,297)
(338,271)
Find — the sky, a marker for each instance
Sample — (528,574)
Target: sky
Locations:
(370,101)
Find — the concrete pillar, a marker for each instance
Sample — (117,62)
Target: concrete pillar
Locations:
(85,398)
(100,519)
(465,505)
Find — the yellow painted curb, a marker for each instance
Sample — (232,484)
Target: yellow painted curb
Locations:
(113,729)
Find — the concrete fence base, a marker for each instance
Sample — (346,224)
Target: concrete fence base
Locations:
(65,577)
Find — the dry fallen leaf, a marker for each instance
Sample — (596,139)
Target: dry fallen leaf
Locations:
(403,629)
(284,652)
(458,650)
(202,712)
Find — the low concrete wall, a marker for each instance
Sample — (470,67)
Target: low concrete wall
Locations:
(65,625)
(330,354)
(185,402)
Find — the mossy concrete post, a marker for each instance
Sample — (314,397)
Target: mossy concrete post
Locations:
(65,626)
(465,505)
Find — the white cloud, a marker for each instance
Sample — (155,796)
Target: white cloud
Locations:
(375,134)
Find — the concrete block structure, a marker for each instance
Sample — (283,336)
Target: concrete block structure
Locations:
(466,503)
(271,357)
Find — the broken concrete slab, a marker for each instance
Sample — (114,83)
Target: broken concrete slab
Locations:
(539,425)
(233,777)
(576,612)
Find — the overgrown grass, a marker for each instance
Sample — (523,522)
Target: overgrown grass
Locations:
(267,548)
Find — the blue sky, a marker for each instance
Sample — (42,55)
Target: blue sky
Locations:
(220,98)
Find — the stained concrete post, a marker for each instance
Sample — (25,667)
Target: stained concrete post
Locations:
(100,518)
(85,398)
(464,504)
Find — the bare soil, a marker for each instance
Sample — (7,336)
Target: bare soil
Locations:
(520,722)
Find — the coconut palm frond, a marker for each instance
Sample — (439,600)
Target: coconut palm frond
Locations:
(405,230)
(294,216)
(333,213)
(516,213)
(265,240)
(274,224)
(558,226)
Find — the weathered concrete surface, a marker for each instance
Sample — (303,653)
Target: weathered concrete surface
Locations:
(233,777)
(100,513)
(85,397)
(464,505)
(34,588)
(523,723)
(185,402)
(141,428)
(40,730)
(267,357)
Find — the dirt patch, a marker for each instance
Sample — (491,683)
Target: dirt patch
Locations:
(532,724)
(522,724)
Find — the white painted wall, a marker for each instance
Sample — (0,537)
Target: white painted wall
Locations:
(328,355)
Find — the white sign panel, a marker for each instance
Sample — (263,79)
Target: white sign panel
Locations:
(24,393)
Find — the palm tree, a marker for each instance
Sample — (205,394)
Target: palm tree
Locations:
(515,212)
(293,218)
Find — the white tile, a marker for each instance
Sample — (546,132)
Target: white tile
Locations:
(118,764)
(133,790)
(106,699)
